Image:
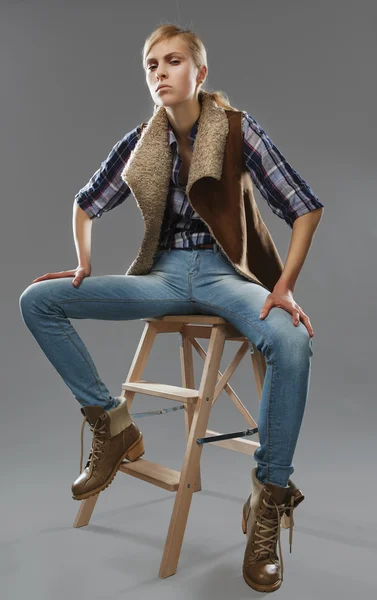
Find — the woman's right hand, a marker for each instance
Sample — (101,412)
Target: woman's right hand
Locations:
(78,275)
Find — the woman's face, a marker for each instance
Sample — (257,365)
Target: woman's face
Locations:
(169,62)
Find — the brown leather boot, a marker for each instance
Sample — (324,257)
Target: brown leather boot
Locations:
(115,437)
(267,507)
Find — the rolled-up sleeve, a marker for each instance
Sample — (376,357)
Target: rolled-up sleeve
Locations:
(286,192)
(106,189)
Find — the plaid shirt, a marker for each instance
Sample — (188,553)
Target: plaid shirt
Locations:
(286,193)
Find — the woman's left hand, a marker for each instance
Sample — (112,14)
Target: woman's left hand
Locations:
(284,299)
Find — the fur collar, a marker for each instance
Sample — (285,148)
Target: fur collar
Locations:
(148,169)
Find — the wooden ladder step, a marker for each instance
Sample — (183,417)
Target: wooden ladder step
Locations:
(172,392)
(152,473)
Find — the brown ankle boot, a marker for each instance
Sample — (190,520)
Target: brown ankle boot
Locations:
(115,437)
(267,507)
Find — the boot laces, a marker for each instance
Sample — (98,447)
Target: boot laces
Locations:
(270,523)
(97,443)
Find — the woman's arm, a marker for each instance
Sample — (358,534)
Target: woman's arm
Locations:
(82,233)
(282,294)
(302,235)
(291,198)
(104,191)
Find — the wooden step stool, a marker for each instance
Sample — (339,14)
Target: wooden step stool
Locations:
(198,404)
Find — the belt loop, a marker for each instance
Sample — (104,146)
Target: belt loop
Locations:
(215,248)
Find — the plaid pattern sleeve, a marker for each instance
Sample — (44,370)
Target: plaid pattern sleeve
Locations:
(106,189)
(287,194)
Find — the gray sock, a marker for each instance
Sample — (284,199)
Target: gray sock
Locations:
(113,403)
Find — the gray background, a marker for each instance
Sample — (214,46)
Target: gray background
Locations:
(72,85)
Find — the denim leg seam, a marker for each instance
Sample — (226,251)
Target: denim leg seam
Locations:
(190,287)
(96,381)
(268,423)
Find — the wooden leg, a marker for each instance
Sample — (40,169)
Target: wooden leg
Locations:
(223,380)
(189,471)
(85,511)
(188,380)
(140,360)
(259,366)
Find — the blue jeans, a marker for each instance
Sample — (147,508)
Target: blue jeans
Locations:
(197,281)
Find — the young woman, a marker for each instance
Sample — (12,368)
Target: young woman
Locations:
(206,250)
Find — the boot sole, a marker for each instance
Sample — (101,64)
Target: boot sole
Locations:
(256,586)
(132,453)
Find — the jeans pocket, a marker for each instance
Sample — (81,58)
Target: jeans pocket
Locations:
(225,259)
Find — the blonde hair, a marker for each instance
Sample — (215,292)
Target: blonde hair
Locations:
(197,51)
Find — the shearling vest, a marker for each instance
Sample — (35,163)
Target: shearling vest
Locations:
(219,188)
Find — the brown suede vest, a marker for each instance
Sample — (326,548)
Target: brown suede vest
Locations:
(219,189)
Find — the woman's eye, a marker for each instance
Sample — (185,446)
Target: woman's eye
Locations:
(172,61)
